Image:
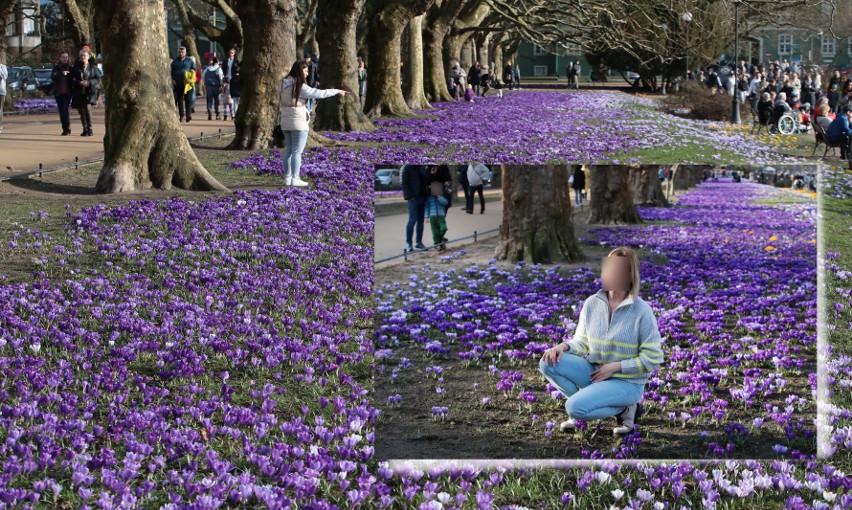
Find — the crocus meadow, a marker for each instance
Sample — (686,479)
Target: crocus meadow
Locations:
(36,105)
(735,295)
(219,353)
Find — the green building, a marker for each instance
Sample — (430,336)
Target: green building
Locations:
(538,62)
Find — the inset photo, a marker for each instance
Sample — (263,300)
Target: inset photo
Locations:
(617,312)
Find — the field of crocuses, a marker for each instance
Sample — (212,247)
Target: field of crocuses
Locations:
(733,282)
(36,105)
(218,353)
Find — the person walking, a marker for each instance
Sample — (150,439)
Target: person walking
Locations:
(61,77)
(465,184)
(436,206)
(578,184)
(293,93)
(235,91)
(414,191)
(475,175)
(212,77)
(85,78)
(4,75)
(362,80)
(183,99)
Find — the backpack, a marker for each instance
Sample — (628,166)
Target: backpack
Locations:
(211,79)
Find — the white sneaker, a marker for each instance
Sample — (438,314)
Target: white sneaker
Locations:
(627,418)
(288,181)
(299,182)
(569,424)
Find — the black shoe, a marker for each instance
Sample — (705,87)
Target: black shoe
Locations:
(468,211)
(218,116)
(420,246)
(209,116)
(66,132)
(482,211)
(90,132)
(85,132)
(192,110)
(181,119)
(188,118)
(226,117)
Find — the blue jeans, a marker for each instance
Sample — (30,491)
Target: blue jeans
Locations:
(213,99)
(578,196)
(588,400)
(294,144)
(416,210)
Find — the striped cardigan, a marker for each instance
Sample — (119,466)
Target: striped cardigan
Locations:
(631,338)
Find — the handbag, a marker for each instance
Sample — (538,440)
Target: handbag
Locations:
(277,132)
(94,96)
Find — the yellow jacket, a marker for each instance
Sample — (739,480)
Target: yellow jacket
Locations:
(188,80)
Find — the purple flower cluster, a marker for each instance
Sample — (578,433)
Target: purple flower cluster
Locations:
(738,319)
(36,105)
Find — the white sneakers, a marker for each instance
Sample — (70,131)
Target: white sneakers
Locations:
(288,181)
(569,424)
(627,418)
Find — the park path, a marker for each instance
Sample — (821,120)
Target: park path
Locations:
(28,140)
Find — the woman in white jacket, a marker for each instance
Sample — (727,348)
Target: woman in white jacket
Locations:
(295,116)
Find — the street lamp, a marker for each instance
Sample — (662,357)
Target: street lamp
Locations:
(687,18)
(735,112)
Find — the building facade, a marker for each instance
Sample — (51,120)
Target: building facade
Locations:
(538,62)
(23,33)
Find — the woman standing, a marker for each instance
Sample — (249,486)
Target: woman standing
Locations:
(619,333)
(294,117)
(84,86)
(578,184)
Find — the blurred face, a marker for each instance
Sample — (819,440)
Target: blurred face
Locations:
(84,57)
(63,58)
(231,53)
(615,273)
(305,72)
(181,53)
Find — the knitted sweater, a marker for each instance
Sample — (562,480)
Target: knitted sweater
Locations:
(632,337)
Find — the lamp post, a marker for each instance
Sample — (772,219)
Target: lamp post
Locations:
(735,111)
(687,18)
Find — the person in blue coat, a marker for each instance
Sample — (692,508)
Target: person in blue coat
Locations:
(840,131)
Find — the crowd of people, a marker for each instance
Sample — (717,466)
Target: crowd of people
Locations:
(479,79)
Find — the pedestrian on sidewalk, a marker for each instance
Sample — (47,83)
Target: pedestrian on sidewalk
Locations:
(292,94)
(578,183)
(415,192)
(226,100)
(235,90)
(475,174)
(183,99)
(362,79)
(212,77)
(437,203)
(61,77)
(465,184)
(85,78)
(4,75)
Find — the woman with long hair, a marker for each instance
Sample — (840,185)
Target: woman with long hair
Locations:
(292,94)
(617,332)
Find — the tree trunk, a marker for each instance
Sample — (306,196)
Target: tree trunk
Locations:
(144,145)
(687,176)
(387,21)
(339,67)
(79,16)
(646,188)
(452,49)
(537,226)
(610,197)
(269,52)
(413,90)
(468,54)
(482,50)
(439,21)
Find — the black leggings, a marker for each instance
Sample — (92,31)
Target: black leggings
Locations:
(470,196)
(86,116)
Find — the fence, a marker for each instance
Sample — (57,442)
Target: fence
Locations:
(404,255)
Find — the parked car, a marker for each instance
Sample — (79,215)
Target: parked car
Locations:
(22,79)
(388,178)
(45,81)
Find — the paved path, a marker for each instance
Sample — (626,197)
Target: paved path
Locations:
(390,230)
(28,140)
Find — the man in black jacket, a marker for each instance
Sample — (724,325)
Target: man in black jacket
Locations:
(61,76)
(414,191)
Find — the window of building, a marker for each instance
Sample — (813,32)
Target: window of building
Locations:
(828,45)
(785,44)
(572,49)
(538,50)
(539,70)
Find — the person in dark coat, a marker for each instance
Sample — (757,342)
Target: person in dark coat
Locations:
(61,77)
(183,96)
(85,78)
(579,185)
(415,190)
